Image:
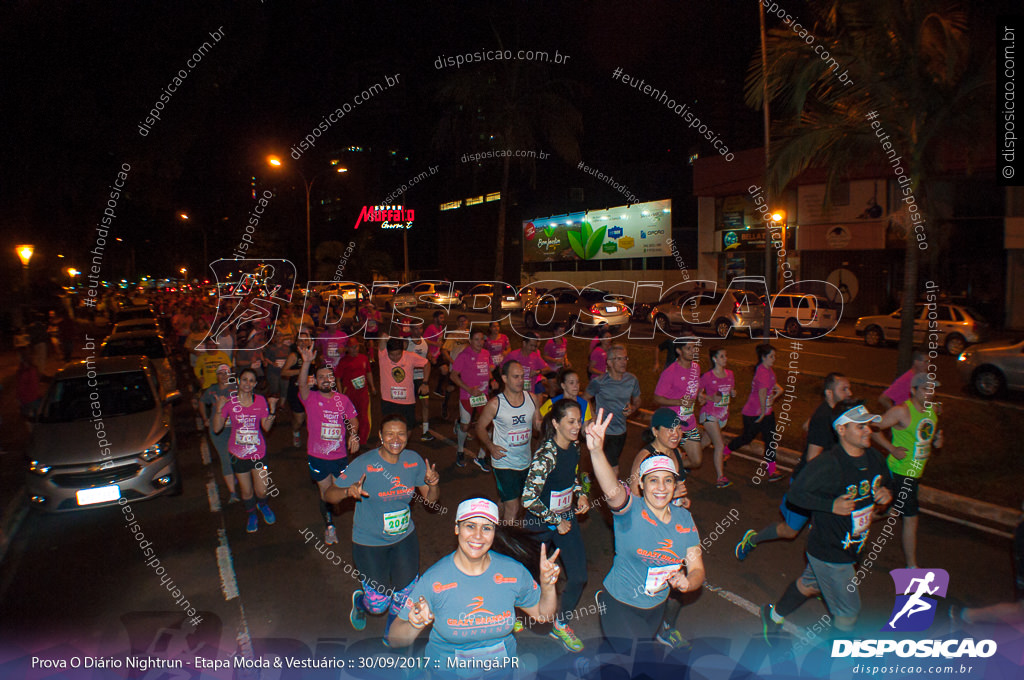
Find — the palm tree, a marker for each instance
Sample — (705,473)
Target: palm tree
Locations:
(508,105)
(912,62)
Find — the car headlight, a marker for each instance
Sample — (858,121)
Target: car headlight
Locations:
(158,449)
(38,468)
(965,356)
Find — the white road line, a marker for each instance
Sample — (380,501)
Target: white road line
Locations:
(228,584)
(745,604)
(816,354)
(213,495)
(204,451)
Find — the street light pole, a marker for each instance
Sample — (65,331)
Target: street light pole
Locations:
(767,190)
(309,256)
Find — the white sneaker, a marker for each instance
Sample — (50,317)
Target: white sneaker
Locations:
(330,535)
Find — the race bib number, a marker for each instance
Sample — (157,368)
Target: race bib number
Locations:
(686,411)
(495,359)
(417,374)
(397,522)
(279,363)
(331,431)
(561,501)
(332,351)
(359,382)
(861,520)
(478,400)
(922,450)
(658,577)
(398,392)
(247,437)
(723,397)
(488,653)
(519,438)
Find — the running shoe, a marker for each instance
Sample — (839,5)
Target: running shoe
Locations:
(723,482)
(253,523)
(568,638)
(482,464)
(427,437)
(296,439)
(330,535)
(460,459)
(768,626)
(268,515)
(671,638)
(745,545)
(776,477)
(437,393)
(233,498)
(357,615)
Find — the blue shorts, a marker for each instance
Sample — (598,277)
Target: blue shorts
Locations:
(795,518)
(320,469)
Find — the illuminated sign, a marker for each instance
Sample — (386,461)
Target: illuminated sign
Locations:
(386,214)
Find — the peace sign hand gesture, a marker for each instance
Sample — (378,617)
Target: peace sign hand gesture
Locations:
(548,567)
(596,430)
(356,490)
(431,477)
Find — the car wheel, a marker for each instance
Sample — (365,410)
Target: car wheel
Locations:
(988,382)
(661,321)
(955,343)
(723,327)
(873,336)
(793,328)
(530,321)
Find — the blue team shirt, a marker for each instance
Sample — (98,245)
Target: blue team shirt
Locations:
(384,517)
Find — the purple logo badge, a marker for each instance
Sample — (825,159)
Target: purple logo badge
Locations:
(916,590)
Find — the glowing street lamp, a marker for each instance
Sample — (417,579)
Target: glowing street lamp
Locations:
(25,253)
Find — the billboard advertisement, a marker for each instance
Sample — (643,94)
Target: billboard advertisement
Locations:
(640,230)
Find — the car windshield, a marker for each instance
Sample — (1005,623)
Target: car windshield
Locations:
(127,347)
(119,394)
(594,295)
(972,314)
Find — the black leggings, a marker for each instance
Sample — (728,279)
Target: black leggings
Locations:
(623,623)
(389,567)
(574,560)
(751,429)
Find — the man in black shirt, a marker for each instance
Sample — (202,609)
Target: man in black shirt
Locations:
(841,488)
(820,436)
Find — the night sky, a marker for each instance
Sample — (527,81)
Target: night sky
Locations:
(81,77)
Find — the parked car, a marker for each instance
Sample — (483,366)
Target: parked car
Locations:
(479,297)
(74,465)
(957,327)
(796,313)
(383,293)
(146,343)
(141,324)
(425,294)
(992,369)
(717,312)
(590,307)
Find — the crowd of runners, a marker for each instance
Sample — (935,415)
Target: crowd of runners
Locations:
(525,417)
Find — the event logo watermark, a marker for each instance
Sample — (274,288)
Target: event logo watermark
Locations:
(915,611)
(499,55)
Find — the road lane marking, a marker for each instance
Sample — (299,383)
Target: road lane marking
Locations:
(225,565)
(204,451)
(213,495)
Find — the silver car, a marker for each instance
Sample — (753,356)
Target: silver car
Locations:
(589,308)
(718,312)
(104,432)
(957,326)
(993,368)
(478,299)
(146,343)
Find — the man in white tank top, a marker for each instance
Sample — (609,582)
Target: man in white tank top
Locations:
(514,414)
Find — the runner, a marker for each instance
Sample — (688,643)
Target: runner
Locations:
(514,415)
(220,439)
(289,382)
(455,341)
(356,380)
(915,432)
(385,547)
(331,344)
(251,415)
(497,344)
(555,355)
(820,437)
(717,388)
(397,388)
(434,335)
(473,583)
(618,393)
(654,541)
(678,387)
(598,364)
(330,427)
(533,364)
(841,487)
(758,418)
(552,483)
(471,373)
(274,355)
(569,382)
(899,391)
(417,345)
(206,365)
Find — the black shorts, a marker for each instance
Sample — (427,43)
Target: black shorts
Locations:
(510,483)
(906,504)
(613,445)
(242,465)
(293,396)
(407,411)
(389,567)
(320,468)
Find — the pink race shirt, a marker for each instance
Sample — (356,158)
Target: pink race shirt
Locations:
(718,391)
(555,349)
(679,382)
(496,347)
(532,365)
(598,359)
(396,378)
(899,391)
(433,332)
(474,369)
(332,347)
(764,379)
(247,441)
(325,422)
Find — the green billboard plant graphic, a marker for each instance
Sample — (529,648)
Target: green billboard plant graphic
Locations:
(586,242)
(549,231)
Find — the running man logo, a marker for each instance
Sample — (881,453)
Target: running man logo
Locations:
(390,216)
(250,292)
(913,610)
(476,606)
(666,547)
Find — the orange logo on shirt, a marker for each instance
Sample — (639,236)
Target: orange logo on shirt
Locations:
(643,513)
(499,579)
(409,465)
(441,587)
(477,606)
(666,547)
(374,468)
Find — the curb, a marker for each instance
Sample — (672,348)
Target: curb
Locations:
(943,504)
